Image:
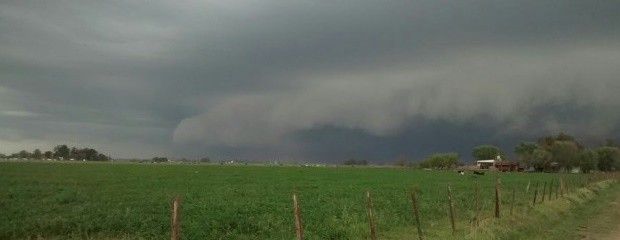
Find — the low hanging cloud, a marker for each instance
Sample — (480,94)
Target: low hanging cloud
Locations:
(497,86)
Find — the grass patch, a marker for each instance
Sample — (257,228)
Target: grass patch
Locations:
(562,218)
(132,201)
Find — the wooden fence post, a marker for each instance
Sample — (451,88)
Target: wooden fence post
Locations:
(371,217)
(451,209)
(535,193)
(527,189)
(542,200)
(174,218)
(416,213)
(476,203)
(497,198)
(512,201)
(561,187)
(557,185)
(550,190)
(299,233)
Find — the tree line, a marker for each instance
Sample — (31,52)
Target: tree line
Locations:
(60,152)
(352,161)
(561,152)
(564,152)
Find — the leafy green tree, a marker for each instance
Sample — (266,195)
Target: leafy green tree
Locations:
(160,159)
(352,162)
(75,154)
(36,154)
(102,157)
(588,160)
(48,154)
(205,160)
(483,152)
(24,154)
(608,158)
(566,137)
(565,153)
(541,159)
(440,161)
(89,154)
(547,142)
(61,151)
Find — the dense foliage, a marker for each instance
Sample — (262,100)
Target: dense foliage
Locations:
(159,159)
(60,152)
(484,152)
(355,162)
(440,161)
(564,152)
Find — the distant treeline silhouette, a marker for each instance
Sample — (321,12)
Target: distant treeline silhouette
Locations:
(60,152)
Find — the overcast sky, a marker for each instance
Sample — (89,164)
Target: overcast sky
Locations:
(305,80)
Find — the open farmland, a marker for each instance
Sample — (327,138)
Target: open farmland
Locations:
(132,201)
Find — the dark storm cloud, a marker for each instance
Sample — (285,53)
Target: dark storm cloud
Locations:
(248,78)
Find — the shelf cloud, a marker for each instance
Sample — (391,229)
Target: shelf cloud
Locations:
(265,79)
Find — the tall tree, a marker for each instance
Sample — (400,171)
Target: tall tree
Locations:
(608,158)
(89,154)
(74,153)
(24,154)
(588,160)
(565,137)
(440,160)
(548,141)
(160,159)
(541,159)
(102,157)
(565,153)
(483,152)
(61,151)
(36,154)
(48,154)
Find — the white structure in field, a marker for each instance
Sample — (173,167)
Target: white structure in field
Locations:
(486,164)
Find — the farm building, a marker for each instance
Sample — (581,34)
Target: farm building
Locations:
(485,164)
(500,165)
(507,166)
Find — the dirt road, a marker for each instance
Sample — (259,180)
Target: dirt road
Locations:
(606,226)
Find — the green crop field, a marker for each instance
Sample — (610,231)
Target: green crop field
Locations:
(132,201)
